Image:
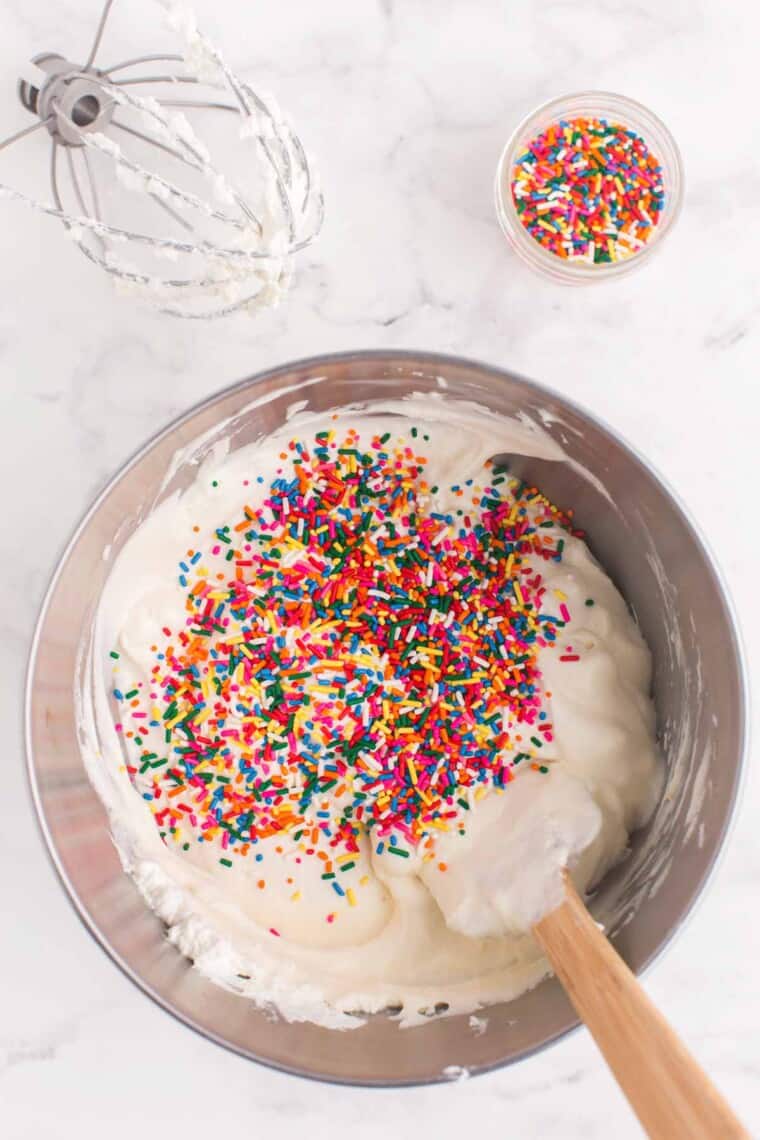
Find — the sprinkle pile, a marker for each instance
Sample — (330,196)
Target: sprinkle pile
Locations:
(588,189)
(353,660)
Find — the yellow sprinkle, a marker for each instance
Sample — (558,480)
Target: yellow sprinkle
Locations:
(518,594)
(295,896)
(561,595)
(364,881)
(351,897)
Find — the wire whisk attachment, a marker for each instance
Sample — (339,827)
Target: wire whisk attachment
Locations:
(173,175)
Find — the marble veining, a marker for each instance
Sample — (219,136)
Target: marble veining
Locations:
(406,105)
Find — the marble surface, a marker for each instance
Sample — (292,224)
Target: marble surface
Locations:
(407,104)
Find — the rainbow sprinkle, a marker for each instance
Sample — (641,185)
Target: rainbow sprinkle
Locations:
(352,661)
(589,189)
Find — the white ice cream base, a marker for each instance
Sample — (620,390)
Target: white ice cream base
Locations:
(420,938)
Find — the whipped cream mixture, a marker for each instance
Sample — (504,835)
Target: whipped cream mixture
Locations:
(347,747)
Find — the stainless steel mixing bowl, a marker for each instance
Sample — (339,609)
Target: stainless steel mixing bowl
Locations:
(638,532)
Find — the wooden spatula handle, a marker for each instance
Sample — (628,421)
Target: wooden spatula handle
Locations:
(671,1095)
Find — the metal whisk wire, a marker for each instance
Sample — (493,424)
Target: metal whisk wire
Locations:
(236,245)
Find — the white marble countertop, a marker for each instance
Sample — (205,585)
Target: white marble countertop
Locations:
(407,104)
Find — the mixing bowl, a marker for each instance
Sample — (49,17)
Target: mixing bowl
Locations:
(642,537)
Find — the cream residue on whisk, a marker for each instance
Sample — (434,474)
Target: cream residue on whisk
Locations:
(231,242)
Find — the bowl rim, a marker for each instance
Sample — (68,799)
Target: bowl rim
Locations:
(425,359)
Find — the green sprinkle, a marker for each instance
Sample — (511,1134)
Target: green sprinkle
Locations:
(226,862)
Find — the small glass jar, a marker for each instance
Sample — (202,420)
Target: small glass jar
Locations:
(615,109)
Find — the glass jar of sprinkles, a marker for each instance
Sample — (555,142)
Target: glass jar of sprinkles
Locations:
(588,186)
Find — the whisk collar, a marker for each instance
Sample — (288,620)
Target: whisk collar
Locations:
(72,101)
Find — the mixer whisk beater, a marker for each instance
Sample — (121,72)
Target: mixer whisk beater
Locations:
(142,196)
